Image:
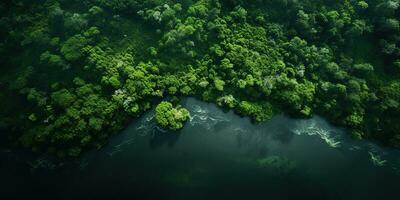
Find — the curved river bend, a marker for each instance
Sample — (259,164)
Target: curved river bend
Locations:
(217,155)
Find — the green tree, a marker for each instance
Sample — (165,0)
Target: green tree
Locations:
(72,49)
(169,117)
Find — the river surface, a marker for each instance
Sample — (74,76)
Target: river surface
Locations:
(217,155)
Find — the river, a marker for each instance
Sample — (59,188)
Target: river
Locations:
(217,155)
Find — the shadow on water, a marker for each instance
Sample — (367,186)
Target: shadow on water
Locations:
(217,155)
(219,126)
(164,138)
(284,136)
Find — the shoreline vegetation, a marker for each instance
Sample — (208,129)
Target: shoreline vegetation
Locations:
(74,72)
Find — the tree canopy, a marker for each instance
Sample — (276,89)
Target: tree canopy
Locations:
(74,72)
(169,117)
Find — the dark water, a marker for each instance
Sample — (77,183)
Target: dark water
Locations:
(216,156)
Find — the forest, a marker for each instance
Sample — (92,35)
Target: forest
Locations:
(74,73)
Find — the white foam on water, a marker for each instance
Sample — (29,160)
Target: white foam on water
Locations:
(148,126)
(312,128)
(377,159)
(201,116)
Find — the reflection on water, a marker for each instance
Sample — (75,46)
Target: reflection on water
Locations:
(220,155)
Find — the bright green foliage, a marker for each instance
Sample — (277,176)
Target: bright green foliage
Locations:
(169,117)
(258,111)
(74,72)
(227,100)
(219,84)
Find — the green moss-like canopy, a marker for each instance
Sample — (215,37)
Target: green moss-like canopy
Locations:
(73,72)
(169,117)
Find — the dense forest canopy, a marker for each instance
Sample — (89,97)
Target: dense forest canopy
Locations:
(74,72)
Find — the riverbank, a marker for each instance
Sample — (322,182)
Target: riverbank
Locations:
(217,155)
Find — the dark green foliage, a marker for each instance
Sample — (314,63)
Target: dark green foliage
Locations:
(72,48)
(74,71)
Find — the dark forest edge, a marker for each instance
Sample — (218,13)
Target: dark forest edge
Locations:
(75,72)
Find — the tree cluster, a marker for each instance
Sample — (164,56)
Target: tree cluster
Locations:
(74,72)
